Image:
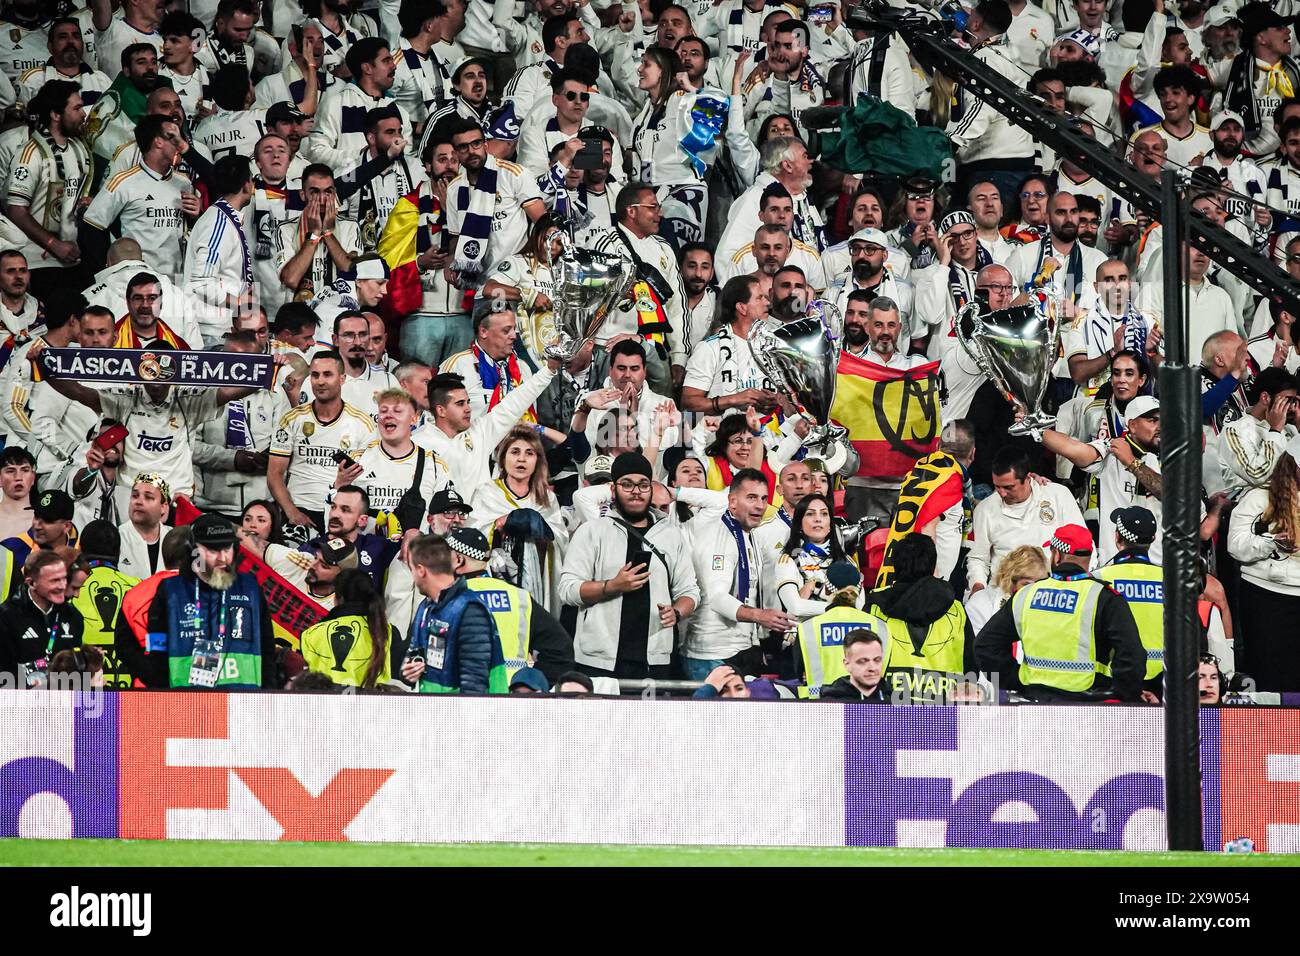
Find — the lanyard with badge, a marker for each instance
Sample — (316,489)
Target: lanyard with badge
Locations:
(205,660)
(436,633)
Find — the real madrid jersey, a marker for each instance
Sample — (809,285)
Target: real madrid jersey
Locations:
(21,49)
(147,208)
(310,444)
(387,478)
(158,435)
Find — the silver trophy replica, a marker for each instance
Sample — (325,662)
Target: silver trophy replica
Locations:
(1016,347)
(801,357)
(586,286)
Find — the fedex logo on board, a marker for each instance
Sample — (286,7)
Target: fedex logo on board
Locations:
(878,798)
(120,783)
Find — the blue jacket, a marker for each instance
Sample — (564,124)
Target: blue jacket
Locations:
(473,648)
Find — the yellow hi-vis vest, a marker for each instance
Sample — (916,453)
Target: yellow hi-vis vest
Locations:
(1141,584)
(340,648)
(931,675)
(512,609)
(1056,622)
(100,604)
(821,641)
(6,573)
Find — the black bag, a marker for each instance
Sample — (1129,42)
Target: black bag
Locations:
(412,507)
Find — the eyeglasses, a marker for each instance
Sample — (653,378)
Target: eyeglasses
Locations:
(466,147)
(1035,194)
(645,205)
(740,440)
(964,234)
(640,486)
(572,96)
(996,287)
(1209,659)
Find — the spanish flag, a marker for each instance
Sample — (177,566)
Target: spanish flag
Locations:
(125,337)
(408,232)
(933,486)
(892,414)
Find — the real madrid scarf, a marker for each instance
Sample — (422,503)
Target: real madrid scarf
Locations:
(1073,268)
(430,92)
(125,337)
(741,582)
(22,337)
(246,260)
(368,203)
(478,201)
(958,276)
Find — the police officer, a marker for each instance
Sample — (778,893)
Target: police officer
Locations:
(930,637)
(821,638)
(526,629)
(1139,581)
(1065,624)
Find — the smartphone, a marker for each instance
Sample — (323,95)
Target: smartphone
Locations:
(591,156)
(821,14)
(109,437)
(639,558)
(343,458)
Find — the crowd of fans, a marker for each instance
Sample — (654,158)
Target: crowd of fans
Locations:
(378,194)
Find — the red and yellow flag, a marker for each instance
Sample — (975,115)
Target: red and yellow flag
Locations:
(892,414)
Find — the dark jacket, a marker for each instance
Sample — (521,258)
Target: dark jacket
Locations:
(474,638)
(150,667)
(1116,637)
(844,691)
(920,603)
(26,630)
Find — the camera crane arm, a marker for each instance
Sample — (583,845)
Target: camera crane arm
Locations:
(928,41)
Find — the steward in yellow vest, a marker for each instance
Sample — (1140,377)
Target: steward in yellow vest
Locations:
(930,639)
(1066,625)
(524,627)
(823,639)
(1133,576)
(101,597)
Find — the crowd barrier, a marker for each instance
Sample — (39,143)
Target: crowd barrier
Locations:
(378,768)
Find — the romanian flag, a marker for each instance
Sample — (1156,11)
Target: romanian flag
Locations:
(933,486)
(408,233)
(892,414)
(125,337)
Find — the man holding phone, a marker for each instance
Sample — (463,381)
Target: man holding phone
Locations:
(1250,446)
(630,572)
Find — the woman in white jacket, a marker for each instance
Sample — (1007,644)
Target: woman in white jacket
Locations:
(522,482)
(813,546)
(1263,536)
(658,158)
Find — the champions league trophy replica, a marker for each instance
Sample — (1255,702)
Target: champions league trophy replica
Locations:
(587,284)
(1017,347)
(801,357)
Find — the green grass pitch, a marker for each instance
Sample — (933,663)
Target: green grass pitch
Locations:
(238,853)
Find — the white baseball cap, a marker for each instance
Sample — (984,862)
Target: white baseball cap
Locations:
(1140,406)
(1224,117)
(873,236)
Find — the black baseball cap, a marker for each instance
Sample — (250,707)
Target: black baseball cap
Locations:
(336,552)
(53,505)
(283,112)
(213,532)
(448,500)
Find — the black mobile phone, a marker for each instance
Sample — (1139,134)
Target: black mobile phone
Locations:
(590,156)
(639,558)
(343,458)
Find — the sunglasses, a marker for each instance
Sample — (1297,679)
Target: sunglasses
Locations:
(572,96)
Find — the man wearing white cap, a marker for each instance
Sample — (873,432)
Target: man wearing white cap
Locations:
(868,252)
(1228,133)
(948,286)
(1128,466)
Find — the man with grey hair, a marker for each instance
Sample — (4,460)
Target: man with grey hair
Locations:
(785,159)
(492,368)
(883,327)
